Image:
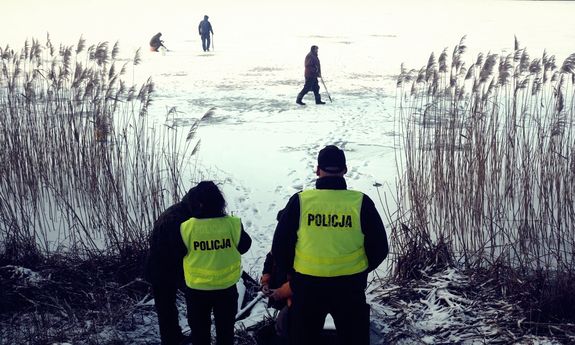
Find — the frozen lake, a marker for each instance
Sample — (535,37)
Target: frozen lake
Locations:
(259,144)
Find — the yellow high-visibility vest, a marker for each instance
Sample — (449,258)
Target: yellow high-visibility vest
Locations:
(213,261)
(330,240)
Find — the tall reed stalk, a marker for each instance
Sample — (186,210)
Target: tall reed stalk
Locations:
(82,169)
(488,166)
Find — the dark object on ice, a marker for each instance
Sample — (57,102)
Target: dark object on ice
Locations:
(156,42)
(251,295)
(311,73)
(252,288)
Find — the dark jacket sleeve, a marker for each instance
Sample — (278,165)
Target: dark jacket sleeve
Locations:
(167,249)
(285,236)
(375,237)
(268,264)
(245,242)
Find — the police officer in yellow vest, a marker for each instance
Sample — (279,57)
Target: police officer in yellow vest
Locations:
(329,238)
(212,266)
(205,245)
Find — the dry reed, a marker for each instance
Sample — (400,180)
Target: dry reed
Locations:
(83,168)
(487,168)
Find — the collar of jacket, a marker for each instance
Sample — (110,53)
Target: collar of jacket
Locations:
(330,182)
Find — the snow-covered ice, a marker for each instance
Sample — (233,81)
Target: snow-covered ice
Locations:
(258,144)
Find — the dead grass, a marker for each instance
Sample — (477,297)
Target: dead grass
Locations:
(68,299)
(457,307)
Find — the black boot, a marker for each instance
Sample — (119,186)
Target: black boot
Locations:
(298,101)
(319,102)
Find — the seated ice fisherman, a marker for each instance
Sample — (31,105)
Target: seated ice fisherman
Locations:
(156,42)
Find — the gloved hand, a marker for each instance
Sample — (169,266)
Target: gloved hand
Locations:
(264,282)
(282,292)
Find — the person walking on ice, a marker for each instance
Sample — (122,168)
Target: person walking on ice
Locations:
(205,29)
(328,239)
(311,73)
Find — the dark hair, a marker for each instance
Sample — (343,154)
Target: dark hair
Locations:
(206,200)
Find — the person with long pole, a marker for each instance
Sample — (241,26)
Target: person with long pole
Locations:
(312,72)
(205,29)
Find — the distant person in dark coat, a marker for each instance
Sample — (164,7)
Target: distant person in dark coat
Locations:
(205,29)
(165,266)
(311,73)
(156,42)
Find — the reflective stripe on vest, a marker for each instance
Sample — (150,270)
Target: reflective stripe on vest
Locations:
(330,240)
(213,261)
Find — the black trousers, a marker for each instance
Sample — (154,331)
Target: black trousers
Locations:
(206,42)
(311,84)
(165,303)
(313,299)
(223,303)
